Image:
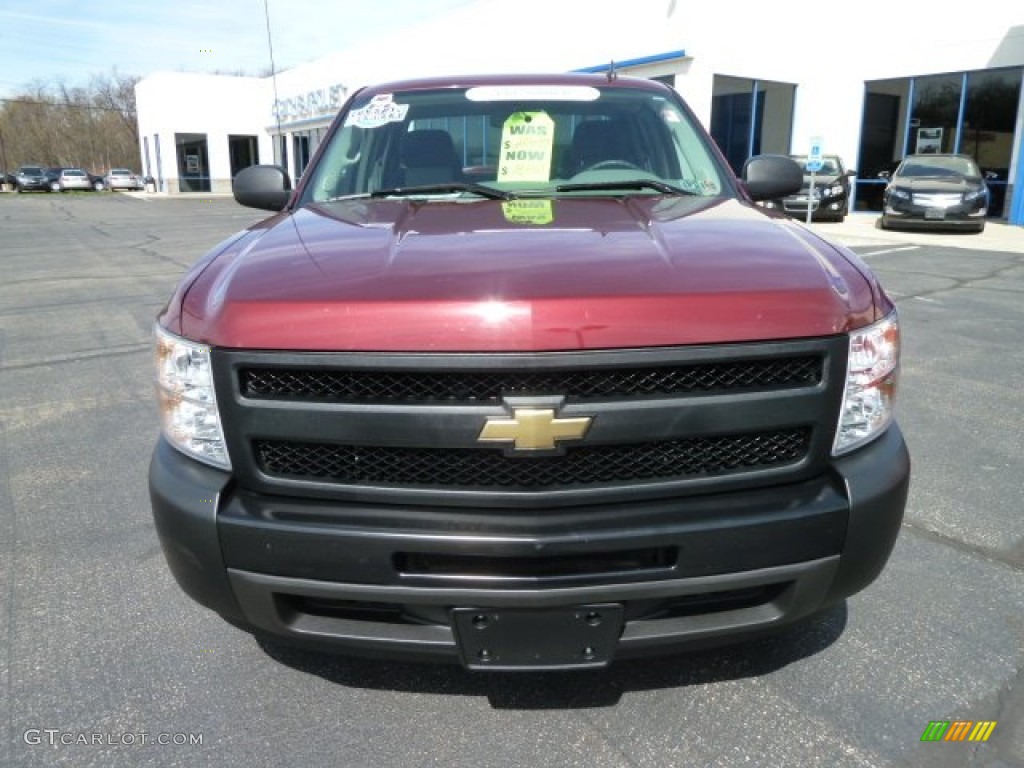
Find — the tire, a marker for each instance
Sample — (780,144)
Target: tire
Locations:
(97,186)
(55,186)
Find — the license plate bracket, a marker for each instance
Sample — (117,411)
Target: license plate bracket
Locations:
(576,637)
(934,214)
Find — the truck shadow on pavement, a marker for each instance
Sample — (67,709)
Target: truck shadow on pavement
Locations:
(577,689)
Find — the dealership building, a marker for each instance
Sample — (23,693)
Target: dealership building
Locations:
(872,82)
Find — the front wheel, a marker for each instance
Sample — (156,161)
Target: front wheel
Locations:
(97,186)
(55,186)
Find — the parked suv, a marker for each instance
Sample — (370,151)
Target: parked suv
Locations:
(32,177)
(519,376)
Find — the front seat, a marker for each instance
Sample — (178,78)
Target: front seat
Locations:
(428,157)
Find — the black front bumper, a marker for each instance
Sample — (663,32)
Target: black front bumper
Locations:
(822,208)
(384,580)
(908,215)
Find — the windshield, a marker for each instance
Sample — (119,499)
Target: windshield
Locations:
(516,141)
(938,167)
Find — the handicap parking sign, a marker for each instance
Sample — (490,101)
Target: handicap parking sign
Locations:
(814,157)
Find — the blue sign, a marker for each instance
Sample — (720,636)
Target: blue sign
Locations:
(814,157)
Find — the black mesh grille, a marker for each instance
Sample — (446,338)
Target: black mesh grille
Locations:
(373,465)
(491,386)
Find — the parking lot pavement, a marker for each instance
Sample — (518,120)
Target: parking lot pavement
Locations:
(98,642)
(862,230)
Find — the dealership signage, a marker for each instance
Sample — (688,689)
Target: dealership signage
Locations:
(323,101)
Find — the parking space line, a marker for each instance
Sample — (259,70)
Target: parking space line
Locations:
(891,250)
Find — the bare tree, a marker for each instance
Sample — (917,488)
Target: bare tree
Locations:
(93,126)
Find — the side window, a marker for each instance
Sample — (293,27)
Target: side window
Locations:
(338,174)
(355,162)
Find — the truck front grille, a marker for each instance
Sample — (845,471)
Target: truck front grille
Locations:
(404,428)
(490,386)
(482,469)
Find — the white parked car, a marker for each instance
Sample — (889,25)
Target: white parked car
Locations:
(63,179)
(122,178)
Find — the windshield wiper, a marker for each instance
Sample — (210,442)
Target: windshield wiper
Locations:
(448,186)
(655,184)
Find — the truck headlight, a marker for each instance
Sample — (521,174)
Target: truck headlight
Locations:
(872,371)
(188,403)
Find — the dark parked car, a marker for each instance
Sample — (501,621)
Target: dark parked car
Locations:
(936,192)
(830,200)
(32,177)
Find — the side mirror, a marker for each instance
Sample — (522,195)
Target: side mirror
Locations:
(989,175)
(883,174)
(263,186)
(851,173)
(770,176)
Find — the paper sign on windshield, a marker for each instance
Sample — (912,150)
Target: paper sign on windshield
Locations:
(526,142)
(528,211)
(380,111)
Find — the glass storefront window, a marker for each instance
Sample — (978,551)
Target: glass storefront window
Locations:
(193,162)
(933,118)
(300,147)
(773,126)
(243,152)
(990,117)
(939,114)
(751,117)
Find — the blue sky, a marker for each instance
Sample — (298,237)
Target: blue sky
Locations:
(73,39)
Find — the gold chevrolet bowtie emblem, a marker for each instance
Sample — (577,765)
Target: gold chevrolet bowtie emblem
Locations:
(533,429)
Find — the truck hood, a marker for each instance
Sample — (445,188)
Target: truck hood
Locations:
(530,275)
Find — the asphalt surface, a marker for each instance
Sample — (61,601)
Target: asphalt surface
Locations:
(99,644)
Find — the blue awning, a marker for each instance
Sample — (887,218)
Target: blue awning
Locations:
(653,59)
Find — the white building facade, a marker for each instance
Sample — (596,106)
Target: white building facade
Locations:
(874,81)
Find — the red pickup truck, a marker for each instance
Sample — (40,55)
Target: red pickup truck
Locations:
(520,376)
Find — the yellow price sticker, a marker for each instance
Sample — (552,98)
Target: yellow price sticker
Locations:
(528,211)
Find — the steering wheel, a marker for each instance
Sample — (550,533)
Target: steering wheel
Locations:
(607,165)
